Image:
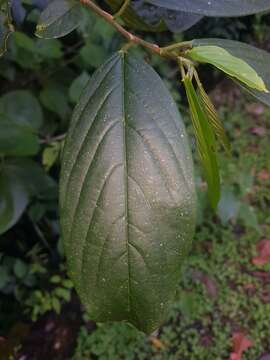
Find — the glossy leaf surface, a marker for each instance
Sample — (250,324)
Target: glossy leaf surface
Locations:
(258,59)
(59,18)
(215,7)
(127,198)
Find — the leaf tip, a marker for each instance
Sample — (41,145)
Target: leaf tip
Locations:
(261,85)
(39,29)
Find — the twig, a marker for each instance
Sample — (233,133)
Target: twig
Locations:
(161,51)
(122,9)
(111,20)
(52,139)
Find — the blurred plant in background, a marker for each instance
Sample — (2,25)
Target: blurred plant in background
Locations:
(41,81)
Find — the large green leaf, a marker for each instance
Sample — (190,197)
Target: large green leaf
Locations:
(22,107)
(231,65)
(258,59)
(215,7)
(127,197)
(59,18)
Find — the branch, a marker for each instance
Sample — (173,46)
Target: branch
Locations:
(52,139)
(129,36)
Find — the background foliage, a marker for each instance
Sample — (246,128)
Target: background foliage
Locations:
(224,290)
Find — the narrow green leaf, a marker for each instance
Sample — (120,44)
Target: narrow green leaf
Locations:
(213,117)
(59,18)
(231,65)
(206,142)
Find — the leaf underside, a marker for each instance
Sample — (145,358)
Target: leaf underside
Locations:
(127,197)
(228,63)
(258,59)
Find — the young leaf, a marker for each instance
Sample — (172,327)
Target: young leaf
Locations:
(59,18)
(231,65)
(215,7)
(213,117)
(258,59)
(206,142)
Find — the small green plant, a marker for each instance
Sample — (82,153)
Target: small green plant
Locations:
(42,300)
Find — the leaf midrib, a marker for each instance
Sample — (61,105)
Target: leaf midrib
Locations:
(125,173)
